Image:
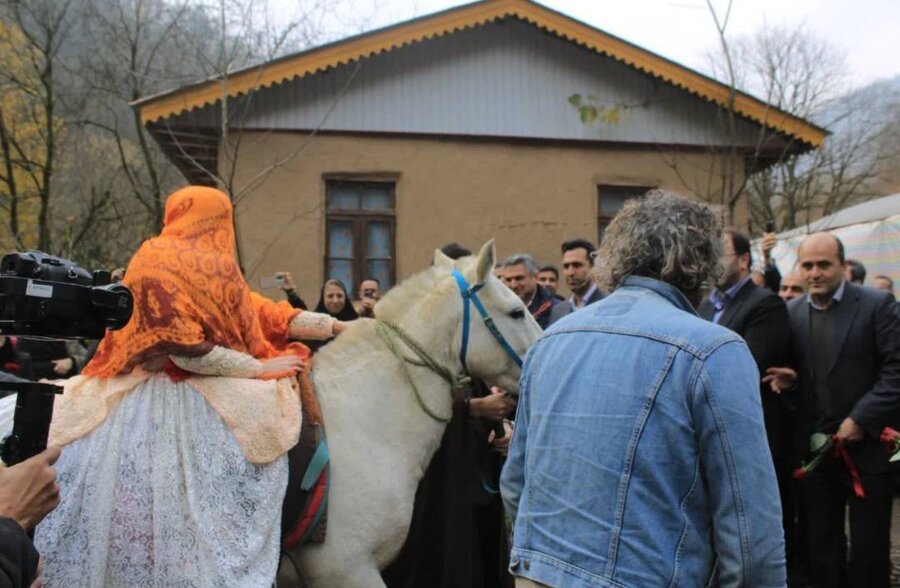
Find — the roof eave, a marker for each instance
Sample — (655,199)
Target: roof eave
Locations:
(346,51)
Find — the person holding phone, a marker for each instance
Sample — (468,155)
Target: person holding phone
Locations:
(369,294)
(283,281)
(771,275)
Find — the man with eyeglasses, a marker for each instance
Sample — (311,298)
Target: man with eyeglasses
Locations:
(760,317)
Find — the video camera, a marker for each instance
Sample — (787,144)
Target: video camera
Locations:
(47,297)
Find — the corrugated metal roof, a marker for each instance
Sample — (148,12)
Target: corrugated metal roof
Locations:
(354,49)
(507,79)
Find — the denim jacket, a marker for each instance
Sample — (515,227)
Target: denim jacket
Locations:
(639,456)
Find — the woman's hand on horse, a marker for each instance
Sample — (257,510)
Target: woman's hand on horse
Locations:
(338,327)
(495,405)
(281,364)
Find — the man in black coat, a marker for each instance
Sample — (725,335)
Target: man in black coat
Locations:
(760,317)
(520,275)
(845,340)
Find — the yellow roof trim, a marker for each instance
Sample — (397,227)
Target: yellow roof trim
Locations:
(309,62)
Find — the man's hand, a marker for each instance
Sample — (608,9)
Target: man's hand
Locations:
(501,445)
(281,364)
(28,490)
(367,307)
(286,283)
(780,379)
(767,244)
(62,366)
(497,405)
(850,431)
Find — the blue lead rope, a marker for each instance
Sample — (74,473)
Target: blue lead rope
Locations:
(470,294)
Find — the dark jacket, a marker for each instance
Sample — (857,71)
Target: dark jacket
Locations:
(597,295)
(761,318)
(772,277)
(546,308)
(294,299)
(863,373)
(18,557)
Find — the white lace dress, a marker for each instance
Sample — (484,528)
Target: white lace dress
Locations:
(160,494)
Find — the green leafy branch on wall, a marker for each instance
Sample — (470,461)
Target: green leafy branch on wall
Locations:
(591,109)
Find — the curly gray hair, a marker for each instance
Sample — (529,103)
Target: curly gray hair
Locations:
(663,236)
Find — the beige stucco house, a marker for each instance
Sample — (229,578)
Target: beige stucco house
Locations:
(359,158)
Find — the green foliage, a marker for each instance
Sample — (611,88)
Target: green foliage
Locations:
(591,109)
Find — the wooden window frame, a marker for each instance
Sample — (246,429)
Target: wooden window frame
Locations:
(605,217)
(360,219)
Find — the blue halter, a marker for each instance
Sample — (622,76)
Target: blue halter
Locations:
(470,294)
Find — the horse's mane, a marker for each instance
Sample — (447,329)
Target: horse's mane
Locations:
(398,300)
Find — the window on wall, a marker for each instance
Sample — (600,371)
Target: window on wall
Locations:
(360,232)
(610,200)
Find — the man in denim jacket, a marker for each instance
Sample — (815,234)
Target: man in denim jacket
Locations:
(640,455)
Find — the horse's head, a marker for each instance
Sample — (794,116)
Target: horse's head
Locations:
(485,356)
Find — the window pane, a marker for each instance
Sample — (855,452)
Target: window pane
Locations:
(378,240)
(340,239)
(604,223)
(342,197)
(613,198)
(342,270)
(612,203)
(376,197)
(381,271)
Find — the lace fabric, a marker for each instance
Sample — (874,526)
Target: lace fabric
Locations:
(220,362)
(161,494)
(317,326)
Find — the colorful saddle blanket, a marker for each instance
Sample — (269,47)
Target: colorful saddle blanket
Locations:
(304,513)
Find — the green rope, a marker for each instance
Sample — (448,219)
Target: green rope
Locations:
(392,334)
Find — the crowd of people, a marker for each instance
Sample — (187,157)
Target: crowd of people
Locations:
(689,418)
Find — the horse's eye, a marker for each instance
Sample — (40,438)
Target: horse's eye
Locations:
(517,314)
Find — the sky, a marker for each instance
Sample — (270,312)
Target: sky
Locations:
(684,31)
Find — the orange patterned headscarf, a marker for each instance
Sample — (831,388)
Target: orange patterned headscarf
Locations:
(189,294)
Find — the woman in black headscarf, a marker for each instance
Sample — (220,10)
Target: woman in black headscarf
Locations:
(333,300)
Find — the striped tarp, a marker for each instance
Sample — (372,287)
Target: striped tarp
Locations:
(876,244)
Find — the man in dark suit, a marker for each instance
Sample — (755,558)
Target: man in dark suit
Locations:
(848,372)
(760,317)
(578,258)
(520,275)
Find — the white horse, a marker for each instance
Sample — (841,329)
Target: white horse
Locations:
(380,437)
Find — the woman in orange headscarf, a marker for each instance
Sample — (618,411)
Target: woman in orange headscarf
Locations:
(174,467)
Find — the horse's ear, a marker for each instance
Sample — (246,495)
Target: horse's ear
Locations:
(485,263)
(442,261)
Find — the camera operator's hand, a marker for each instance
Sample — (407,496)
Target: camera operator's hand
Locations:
(62,366)
(28,490)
